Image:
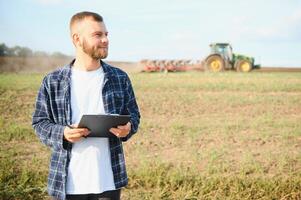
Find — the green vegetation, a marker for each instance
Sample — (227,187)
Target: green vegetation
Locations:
(18,51)
(202,136)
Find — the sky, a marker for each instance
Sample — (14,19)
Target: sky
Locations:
(268,30)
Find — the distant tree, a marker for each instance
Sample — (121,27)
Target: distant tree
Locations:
(19,51)
(3,50)
(14,51)
(26,52)
(58,55)
(10,52)
(22,51)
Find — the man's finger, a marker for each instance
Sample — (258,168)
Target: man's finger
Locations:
(127,126)
(122,127)
(115,131)
(75,135)
(74,125)
(87,133)
(77,130)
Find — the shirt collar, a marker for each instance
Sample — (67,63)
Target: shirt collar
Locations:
(66,71)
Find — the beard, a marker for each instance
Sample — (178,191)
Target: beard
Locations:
(95,52)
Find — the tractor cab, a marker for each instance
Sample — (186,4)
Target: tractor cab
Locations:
(224,49)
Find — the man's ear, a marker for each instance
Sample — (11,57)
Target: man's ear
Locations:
(76,39)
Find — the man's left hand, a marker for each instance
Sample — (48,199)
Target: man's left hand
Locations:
(121,131)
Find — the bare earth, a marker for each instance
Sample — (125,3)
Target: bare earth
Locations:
(47,64)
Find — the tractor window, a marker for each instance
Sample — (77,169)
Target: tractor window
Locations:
(221,50)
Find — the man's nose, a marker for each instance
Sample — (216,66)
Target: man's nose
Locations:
(105,40)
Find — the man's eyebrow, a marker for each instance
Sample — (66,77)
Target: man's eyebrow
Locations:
(99,32)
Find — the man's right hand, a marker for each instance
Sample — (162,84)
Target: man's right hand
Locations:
(75,134)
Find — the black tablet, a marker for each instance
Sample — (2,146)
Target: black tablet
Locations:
(99,125)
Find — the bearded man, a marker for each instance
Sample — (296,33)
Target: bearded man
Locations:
(81,167)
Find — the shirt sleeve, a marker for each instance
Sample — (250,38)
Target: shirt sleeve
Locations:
(132,109)
(50,133)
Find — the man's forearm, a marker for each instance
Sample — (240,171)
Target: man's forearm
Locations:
(50,134)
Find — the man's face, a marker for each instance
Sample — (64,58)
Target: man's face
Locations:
(94,41)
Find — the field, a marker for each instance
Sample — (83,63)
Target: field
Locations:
(202,136)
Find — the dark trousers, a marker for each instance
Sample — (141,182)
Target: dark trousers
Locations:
(108,195)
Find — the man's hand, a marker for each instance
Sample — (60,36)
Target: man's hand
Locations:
(75,134)
(121,131)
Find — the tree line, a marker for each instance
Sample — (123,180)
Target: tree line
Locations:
(18,51)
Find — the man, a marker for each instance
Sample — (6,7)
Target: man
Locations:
(81,167)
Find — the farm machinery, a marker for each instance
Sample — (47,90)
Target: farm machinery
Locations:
(168,65)
(220,59)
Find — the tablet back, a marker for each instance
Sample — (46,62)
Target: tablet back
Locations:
(99,125)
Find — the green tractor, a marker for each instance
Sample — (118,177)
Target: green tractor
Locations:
(222,58)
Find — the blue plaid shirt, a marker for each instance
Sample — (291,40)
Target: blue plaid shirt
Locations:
(53,113)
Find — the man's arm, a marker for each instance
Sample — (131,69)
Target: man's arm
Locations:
(132,109)
(50,133)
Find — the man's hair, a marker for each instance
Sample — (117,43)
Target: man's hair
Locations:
(83,15)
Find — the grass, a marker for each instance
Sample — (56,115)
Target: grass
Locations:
(202,136)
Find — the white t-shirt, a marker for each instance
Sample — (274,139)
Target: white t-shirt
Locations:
(90,169)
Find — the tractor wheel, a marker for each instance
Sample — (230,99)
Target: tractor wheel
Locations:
(215,63)
(243,66)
